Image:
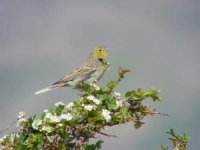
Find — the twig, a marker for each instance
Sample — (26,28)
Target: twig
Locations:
(156,112)
(8,128)
(105,134)
(176,147)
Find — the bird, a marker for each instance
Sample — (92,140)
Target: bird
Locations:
(91,70)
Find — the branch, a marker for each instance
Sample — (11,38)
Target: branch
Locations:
(105,134)
(71,126)
(179,140)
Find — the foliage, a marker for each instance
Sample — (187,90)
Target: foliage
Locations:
(179,141)
(71,126)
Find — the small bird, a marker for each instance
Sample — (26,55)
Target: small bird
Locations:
(90,71)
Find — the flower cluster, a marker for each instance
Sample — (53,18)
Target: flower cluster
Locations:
(21,119)
(56,118)
(106,114)
(2,140)
(94,99)
(119,101)
(89,107)
(59,104)
(95,86)
(71,104)
(45,123)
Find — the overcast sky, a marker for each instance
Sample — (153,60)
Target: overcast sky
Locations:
(40,41)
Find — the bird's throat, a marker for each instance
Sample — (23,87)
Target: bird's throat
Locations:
(100,59)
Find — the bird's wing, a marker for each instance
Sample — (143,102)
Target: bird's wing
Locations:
(81,71)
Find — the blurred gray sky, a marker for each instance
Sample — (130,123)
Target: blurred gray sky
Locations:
(40,41)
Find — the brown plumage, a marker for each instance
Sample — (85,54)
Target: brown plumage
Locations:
(92,70)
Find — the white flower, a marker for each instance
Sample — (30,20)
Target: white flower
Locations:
(117,94)
(67,116)
(59,104)
(36,123)
(48,115)
(106,114)
(90,97)
(70,105)
(96,87)
(21,115)
(21,121)
(94,99)
(3,138)
(54,119)
(89,107)
(45,111)
(119,103)
(48,129)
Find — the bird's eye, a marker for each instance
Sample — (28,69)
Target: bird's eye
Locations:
(99,50)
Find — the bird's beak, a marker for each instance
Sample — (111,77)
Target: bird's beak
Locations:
(107,49)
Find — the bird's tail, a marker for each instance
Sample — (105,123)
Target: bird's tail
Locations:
(43,90)
(52,87)
(49,88)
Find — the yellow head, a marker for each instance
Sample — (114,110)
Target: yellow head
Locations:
(99,52)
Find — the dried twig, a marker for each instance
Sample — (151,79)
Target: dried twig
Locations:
(105,134)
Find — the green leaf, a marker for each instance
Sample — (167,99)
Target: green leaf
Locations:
(95,118)
(52,110)
(123,71)
(162,147)
(128,94)
(111,105)
(111,84)
(138,124)
(153,93)
(93,146)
